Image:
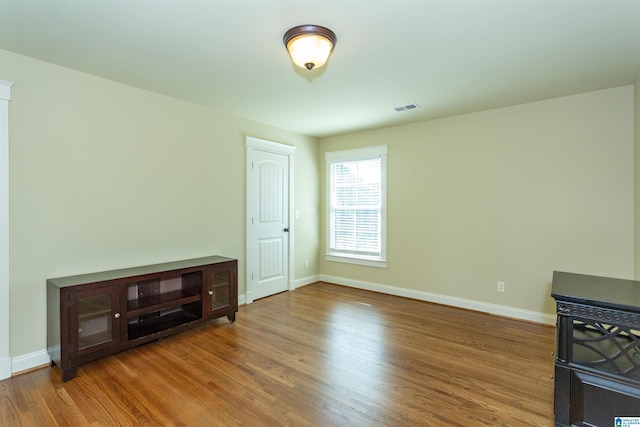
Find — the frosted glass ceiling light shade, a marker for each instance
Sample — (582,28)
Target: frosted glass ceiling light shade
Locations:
(309,45)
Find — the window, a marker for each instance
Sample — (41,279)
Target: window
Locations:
(356,206)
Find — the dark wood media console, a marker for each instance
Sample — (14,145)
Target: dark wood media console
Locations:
(94,315)
(597,368)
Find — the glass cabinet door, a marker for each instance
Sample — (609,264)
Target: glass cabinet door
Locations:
(94,320)
(218,289)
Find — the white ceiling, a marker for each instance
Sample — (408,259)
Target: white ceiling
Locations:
(449,56)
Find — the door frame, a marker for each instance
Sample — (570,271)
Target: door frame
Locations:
(5,354)
(256,144)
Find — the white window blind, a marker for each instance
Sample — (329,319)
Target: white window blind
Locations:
(356,203)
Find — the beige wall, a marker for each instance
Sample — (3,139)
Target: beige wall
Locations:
(509,195)
(106,176)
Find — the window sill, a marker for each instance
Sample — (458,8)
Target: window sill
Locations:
(354,260)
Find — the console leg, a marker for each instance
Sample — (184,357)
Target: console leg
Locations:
(68,373)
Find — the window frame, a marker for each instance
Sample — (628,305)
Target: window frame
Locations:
(353,155)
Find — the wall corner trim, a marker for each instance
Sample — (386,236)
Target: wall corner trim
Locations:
(5,90)
(5,354)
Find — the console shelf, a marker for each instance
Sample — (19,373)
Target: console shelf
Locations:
(156,324)
(153,303)
(94,315)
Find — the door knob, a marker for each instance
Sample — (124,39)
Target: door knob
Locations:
(286,230)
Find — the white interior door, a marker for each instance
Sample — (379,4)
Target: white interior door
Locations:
(268,213)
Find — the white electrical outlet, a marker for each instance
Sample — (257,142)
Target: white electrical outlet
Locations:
(501,287)
(306,263)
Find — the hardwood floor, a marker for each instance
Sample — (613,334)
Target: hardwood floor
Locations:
(323,355)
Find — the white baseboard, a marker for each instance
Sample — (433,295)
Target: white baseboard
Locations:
(5,368)
(293,285)
(30,361)
(500,310)
(298,283)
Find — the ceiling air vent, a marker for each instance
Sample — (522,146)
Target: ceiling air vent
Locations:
(407,107)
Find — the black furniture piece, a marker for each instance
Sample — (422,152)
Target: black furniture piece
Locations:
(94,315)
(597,366)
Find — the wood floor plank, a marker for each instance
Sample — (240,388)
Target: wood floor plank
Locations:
(323,355)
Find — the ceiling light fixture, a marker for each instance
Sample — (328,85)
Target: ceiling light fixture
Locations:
(309,45)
